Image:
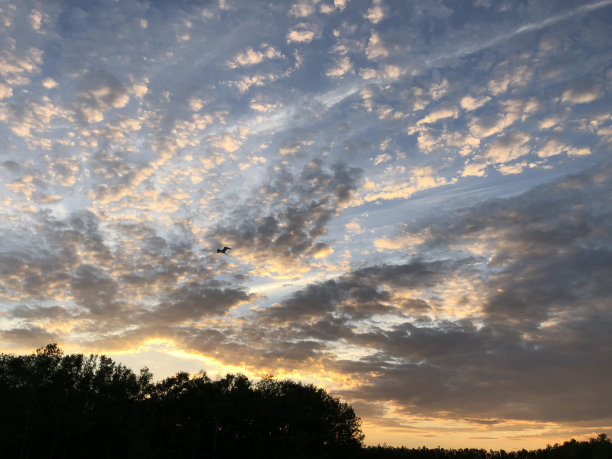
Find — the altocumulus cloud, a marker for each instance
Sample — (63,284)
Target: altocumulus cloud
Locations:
(539,329)
(283,224)
(400,183)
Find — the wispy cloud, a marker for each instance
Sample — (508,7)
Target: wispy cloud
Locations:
(530,27)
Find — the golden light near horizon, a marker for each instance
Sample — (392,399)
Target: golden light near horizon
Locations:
(416,197)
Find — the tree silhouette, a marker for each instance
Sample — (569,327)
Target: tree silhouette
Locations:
(56,405)
(72,406)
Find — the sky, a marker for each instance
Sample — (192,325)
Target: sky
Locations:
(417,196)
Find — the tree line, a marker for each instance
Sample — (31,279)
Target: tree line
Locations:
(595,448)
(74,406)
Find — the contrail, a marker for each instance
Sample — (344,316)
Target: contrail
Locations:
(333,97)
(282,118)
(533,26)
(562,17)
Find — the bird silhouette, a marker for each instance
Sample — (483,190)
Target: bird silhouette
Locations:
(224,250)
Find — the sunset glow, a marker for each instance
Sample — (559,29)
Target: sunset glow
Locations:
(417,196)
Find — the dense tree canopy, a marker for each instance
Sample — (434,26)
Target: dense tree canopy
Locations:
(56,405)
(72,406)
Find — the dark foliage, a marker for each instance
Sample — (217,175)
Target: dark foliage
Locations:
(595,448)
(72,406)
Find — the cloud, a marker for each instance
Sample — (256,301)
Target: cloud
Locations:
(388,72)
(507,78)
(303,33)
(251,57)
(341,4)
(376,47)
(5,91)
(554,147)
(262,106)
(363,292)
(295,146)
(301,9)
(582,92)
(550,122)
(437,115)
(377,12)
(512,110)
(247,82)
(510,169)
(140,88)
(341,67)
(48,273)
(30,121)
(508,147)
(431,138)
(543,299)
(100,91)
(131,152)
(27,338)
(353,227)
(17,65)
(196,300)
(396,185)
(470,103)
(337,5)
(280,229)
(382,158)
(94,289)
(49,83)
(496,39)
(476,169)
(400,241)
(227,142)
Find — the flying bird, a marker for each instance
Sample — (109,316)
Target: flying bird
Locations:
(224,250)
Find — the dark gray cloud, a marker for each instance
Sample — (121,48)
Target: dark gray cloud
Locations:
(483,372)
(289,215)
(30,337)
(94,289)
(145,287)
(535,344)
(547,249)
(362,293)
(28,312)
(193,301)
(11,166)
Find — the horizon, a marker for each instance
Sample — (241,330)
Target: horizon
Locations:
(199,373)
(416,196)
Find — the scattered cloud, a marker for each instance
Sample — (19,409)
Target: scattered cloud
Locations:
(376,47)
(252,57)
(341,67)
(302,9)
(582,92)
(302,33)
(508,147)
(555,147)
(438,115)
(470,103)
(377,12)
